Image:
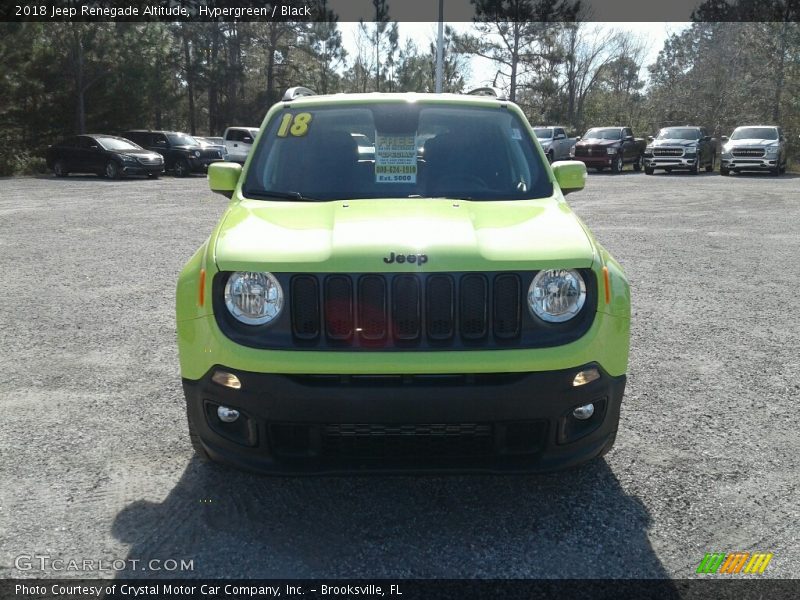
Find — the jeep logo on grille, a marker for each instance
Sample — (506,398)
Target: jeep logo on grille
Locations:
(419,259)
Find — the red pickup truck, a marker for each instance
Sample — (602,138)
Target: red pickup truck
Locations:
(610,147)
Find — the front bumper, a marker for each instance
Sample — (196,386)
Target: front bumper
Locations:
(601,160)
(139,169)
(736,163)
(200,165)
(498,422)
(670,162)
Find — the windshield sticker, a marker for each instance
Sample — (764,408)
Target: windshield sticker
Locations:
(516,134)
(395,158)
(297,124)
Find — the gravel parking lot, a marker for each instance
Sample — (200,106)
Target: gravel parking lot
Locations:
(96,464)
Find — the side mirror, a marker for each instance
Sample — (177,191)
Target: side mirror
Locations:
(223,177)
(650,138)
(706,138)
(724,138)
(560,136)
(578,139)
(570,175)
(247,140)
(628,138)
(94,147)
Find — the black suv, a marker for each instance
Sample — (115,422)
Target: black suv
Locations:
(106,155)
(182,153)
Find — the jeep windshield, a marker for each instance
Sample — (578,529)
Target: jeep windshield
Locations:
(604,134)
(678,133)
(755,133)
(396,150)
(181,139)
(114,143)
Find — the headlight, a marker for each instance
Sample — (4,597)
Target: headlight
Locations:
(727,148)
(611,150)
(771,150)
(253,298)
(648,149)
(127,157)
(197,153)
(557,295)
(690,151)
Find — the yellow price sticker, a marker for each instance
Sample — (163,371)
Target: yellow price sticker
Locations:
(296,125)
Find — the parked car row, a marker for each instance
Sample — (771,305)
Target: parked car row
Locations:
(689,148)
(147,152)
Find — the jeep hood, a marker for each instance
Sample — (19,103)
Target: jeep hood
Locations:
(355,236)
(674,142)
(597,142)
(753,142)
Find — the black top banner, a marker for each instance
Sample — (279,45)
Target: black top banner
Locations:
(401,10)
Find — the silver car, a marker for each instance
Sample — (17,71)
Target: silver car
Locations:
(554,141)
(754,148)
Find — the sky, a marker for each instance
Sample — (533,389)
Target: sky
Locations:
(482,71)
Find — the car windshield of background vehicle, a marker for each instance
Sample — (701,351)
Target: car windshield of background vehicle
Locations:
(543,134)
(604,134)
(392,150)
(755,133)
(117,144)
(181,139)
(683,133)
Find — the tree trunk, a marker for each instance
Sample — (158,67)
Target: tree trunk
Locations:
(187,53)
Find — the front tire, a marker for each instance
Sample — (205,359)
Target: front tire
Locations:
(112,170)
(617,165)
(153,175)
(724,171)
(59,169)
(637,166)
(194,439)
(649,170)
(550,157)
(695,168)
(182,168)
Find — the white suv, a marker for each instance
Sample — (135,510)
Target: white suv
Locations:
(238,142)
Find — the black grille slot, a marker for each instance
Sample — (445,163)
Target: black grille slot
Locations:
(339,307)
(305,307)
(507,302)
(372,440)
(372,304)
(406,310)
(440,300)
(472,307)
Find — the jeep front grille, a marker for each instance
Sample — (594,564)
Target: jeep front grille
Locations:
(667,151)
(748,152)
(406,309)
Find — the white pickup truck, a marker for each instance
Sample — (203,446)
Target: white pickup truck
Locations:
(555,142)
(238,142)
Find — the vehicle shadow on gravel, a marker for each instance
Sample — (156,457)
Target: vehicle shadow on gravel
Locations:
(574,524)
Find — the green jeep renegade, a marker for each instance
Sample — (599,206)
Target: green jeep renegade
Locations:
(398,283)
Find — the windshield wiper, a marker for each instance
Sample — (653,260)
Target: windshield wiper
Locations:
(282,195)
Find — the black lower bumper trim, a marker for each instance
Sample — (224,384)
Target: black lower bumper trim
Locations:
(328,424)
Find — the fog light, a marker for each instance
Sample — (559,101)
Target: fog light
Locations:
(583,412)
(584,377)
(229,415)
(226,379)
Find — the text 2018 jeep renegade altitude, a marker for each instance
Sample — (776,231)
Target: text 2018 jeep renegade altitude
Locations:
(398,283)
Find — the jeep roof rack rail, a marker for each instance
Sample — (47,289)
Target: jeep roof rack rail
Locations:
(488,91)
(296,92)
